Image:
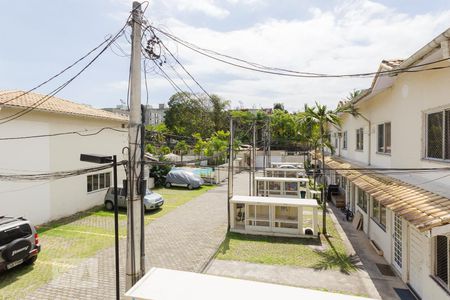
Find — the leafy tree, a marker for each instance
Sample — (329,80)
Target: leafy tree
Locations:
(164,150)
(200,145)
(182,148)
(218,145)
(219,112)
(323,117)
(187,114)
(279,106)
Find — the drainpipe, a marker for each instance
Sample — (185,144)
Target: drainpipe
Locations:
(370,139)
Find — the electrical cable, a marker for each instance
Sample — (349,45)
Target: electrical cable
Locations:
(292,73)
(58,74)
(80,133)
(58,89)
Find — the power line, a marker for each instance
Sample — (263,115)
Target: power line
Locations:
(57,74)
(54,175)
(61,87)
(80,133)
(292,73)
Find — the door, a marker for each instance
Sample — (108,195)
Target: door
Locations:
(397,243)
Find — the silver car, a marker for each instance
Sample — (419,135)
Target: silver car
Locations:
(19,242)
(152,200)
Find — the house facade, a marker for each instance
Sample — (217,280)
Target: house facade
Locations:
(98,132)
(404,123)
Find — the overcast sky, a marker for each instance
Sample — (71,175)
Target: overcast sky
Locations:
(39,38)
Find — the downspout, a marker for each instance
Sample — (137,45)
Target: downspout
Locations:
(370,139)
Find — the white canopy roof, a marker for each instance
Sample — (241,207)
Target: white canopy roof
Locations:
(282,179)
(275,200)
(164,284)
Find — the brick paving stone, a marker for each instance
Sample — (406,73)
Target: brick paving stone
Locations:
(184,239)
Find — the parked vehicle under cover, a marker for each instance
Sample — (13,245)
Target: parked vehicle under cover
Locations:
(183,178)
(19,242)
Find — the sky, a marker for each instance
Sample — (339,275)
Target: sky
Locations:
(40,38)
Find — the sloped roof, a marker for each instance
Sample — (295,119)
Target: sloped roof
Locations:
(421,208)
(55,105)
(391,63)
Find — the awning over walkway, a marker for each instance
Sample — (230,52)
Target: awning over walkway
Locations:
(421,208)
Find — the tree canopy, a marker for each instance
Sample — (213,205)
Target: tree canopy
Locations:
(189,114)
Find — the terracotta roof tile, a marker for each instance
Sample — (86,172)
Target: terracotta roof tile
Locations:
(56,105)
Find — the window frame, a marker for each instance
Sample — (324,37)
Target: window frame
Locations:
(382,129)
(377,216)
(364,195)
(360,139)
(445,140)
(439,280)
(344,140)
(94,184)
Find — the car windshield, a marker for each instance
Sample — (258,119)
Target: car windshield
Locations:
(149,192)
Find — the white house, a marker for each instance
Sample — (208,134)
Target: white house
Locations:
(100,132)
(404,123)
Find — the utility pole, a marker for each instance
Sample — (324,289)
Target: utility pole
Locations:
(230,171)
(269,154)
(134,203)
(254,159)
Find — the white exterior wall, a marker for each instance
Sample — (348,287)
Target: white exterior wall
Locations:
(23,156)
(44,201)
(405,105)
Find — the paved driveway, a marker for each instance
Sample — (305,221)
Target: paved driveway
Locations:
(184,239)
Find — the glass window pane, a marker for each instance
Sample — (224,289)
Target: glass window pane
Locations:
(262,212)
(102,181)
(376,210)
(434,135)
(108,179)
(381,138)
(383,215)
(387,138)
(89,183)
(442,258)
(95,182)
(251,211)
(447,134)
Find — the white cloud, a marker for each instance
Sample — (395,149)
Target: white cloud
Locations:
(206,7)
(351,37)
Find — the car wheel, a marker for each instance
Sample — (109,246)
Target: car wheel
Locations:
(109,205)
(168,185)
(30,261)
(190,187)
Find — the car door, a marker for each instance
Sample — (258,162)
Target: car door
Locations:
(122,199)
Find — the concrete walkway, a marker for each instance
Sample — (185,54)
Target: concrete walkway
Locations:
(184,239)
(333,281)
(366,281)
(357,242)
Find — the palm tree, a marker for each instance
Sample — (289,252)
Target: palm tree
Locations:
(323,117)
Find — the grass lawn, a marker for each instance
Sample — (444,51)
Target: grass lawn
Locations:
(67,241)
(321,254)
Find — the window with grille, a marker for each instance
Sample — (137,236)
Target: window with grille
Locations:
(442,259)
(344,140)
(379,213)
(362,200)
(438,135)
(384,138)
(99,181)
(360,139)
